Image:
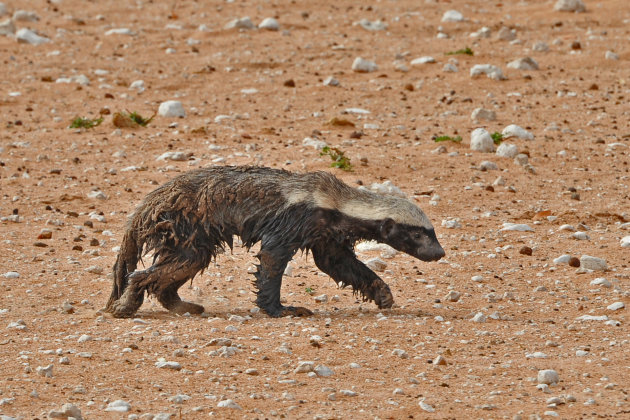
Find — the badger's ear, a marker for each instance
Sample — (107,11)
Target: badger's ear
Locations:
(386,227)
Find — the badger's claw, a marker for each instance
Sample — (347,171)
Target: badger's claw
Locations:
(289,311)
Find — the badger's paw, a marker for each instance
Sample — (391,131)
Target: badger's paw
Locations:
(383,296)
(121,310)
(288,311)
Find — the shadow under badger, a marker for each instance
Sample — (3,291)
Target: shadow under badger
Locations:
(189,220)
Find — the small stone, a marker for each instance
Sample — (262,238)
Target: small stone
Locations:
(314,143)
(361,65)
(483,114)
(252,372)
(168,365)
(67,411)
(493,72)
(481,141)
(25,16)
(616,306)
(118,406)
(488,166)
(400,353)
(94,269)
(137,85)
(289,83)
(422,60)
(331,81)
(540,47)
(439,361)
(593,263)
(507,150)
(514,130)
(600,281)
(26,36)
(611,56)
(426,407)
(46,371)
(304,367)
(625,242)
(119,31)
(525,250)
(452,296)
(574,262)
(242,23)
(229,404)
(452,16)
(576,6)
(521,159)
(7,27)
(348,393)
(581,236)
(11,275)
(479,318)
(321,298)
(323,371)
(376,264)
(377,25)
(269,24)
(171,109)
(526,63)
(174,156)
(516,227)
(506,34)
(548,377)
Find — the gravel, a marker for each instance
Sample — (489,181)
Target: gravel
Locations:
(171,109)
(481,141)
(361,65)
(548,377)
(491,71)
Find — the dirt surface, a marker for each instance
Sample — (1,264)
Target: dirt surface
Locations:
(60,236)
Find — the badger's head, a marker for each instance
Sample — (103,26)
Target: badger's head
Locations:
(409,230)
(401,225)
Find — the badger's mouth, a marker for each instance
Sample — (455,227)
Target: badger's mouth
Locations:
(434,255)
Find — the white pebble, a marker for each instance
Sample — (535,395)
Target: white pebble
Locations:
(493,72)
(269,24)
(600,281)
(422,60)
(25,16)
(540,47)
(426,407)
(611,56)
(118,406)
(616,306)
(242,23)
(376,264)
(376,25)
(314,143)
(625,242)
(483,114)
(514,130)
(506,34)
(11,275)
(479,318)
(486,165)
(562,259)
(323,371)
(517,227)
(548,377)
(119,31)
(168,365)
(171,109)
(570,6)
(26,36)
(304,367)
(348,393)
(138,85)
(7,27)
(526,63)
(581,236)
(593,263)
(481,141)
(507,150)
(331,81)
(452,16)
(361,65)
(229,404)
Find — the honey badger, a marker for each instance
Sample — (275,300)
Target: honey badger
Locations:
(188,221)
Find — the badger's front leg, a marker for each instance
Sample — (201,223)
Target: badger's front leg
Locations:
(340,263)
(273,261)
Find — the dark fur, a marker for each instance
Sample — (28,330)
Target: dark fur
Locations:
(188,221)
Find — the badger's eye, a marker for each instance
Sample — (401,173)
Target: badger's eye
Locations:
(416,235)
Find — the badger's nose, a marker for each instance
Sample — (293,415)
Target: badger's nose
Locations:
(439,254)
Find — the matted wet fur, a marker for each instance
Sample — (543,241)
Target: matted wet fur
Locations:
(189,220)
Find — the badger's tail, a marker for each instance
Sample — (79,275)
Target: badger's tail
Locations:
(126,263)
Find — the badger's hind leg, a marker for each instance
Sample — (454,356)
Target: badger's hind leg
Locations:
(163,281)
(273,261)
(340,263)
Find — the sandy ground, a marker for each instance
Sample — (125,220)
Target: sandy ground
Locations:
(426,357)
